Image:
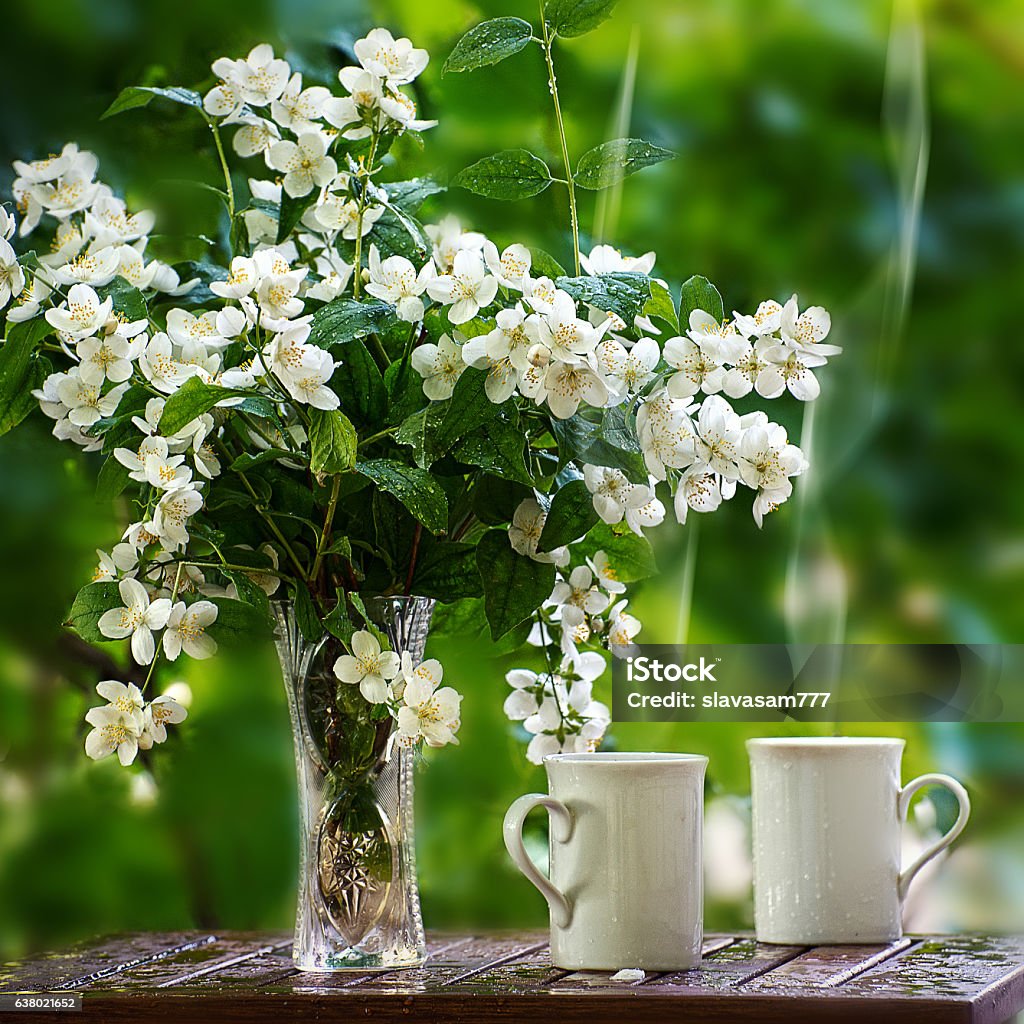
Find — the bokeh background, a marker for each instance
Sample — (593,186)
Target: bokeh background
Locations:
(866,156)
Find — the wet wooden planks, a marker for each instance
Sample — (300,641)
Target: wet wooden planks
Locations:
(235,976)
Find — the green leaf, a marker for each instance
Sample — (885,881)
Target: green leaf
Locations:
(18,373)
(360,607)
(631,557)
(514,586)
(90,603)
(306,617)
(405,392)
(499,448)
(699,293)
(612,161)
(344,320)
(543,264)
(623,293)
(249,591)
(332,442)
(510,174)
(577,17)
(610,443)
(409,196)
(238,623)
(192,399)
(292,209)
(357,381)
(662,305)
(398,234)
(448,572)
(571,515)
(337,621)
(136,96)
(468,408)
(488,43)
(112,480)
(415,488)
(127,298)
(247,461)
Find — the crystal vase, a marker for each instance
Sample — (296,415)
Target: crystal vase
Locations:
(358,901)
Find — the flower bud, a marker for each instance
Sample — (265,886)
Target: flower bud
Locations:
(539,356)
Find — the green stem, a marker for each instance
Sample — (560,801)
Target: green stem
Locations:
(357,268)
(325,534)
(570,183)
(228,187)
(376,437)
(156,655)
(273,526)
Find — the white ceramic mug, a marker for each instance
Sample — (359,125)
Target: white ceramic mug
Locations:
(625,840)
(827,821)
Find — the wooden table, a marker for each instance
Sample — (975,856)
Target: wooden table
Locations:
(200,978)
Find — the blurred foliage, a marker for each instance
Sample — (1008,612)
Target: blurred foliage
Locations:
(909,530)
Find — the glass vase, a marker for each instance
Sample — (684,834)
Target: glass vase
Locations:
(358,900)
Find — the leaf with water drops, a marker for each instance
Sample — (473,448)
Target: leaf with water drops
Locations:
(488,43)
(415,488)
(510,174)
(514,586)
(612,161)
(136,96)
(577,17)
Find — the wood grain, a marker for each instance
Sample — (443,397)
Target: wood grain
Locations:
(235,977)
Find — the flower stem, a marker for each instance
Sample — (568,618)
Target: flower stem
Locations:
(228,187)
(325,534)
(570,183)
(156,654)
(376,437)
(289,550)
(357,268)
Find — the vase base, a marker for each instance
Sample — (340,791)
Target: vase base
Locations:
(360,960)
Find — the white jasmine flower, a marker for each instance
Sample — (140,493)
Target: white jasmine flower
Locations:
(698,369)
(308,383)
(92,268)
(579,592)
(122,559)
(606,574)
(790,368)
(721,341)
(109,223)
(766,320)
(12,277)
(160,713)
(27,302)
(85,402)
(338,214)
(358,108)
(335,275)
(172,514)
(261,77)
(305,163)
(402,110)
(613,493)
(523,701)
(184,327)
(766,458)
(440,366)
(449,239)
(82,315)
(650,513)
(297,108)
(561,331)
(136,619)
(502,377)
(7,224)
(429,711)
(566,385)
(606,259)
(525,530)
(186,630)
(699,489)
(369,667)
(466,289)
(739,379)
(627,372)
(622,627)
(395,60)
(256,135)
(718,436)
(512,268)
(807,330)
(108,358)
(112,731)
(167,472)
(395,281)
(241,280)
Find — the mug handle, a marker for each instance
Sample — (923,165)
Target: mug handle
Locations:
(561,830)
(906,876)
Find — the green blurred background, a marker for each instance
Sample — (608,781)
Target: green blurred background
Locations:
(869,159)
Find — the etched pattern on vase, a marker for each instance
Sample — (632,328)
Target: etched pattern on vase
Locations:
(358,900)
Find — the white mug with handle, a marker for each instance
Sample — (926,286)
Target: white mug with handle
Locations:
(828,816)
(625,842)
